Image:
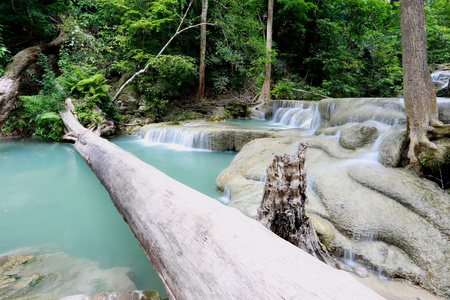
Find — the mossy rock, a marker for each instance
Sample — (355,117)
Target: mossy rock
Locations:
(216,119)
(237,109)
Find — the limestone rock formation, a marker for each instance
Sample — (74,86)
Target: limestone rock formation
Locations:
(52,276)
(387,218)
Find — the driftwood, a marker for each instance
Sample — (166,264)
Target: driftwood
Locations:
(200,248)
(9,83)
(283,208)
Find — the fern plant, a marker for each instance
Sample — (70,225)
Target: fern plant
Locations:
(93,88)
(40,112)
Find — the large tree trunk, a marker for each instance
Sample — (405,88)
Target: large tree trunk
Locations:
(201,83)
(200,248)
(9,83)
(283,208)
(419,94)
(265,90)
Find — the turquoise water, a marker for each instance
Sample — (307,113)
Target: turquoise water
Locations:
(256,124)
(50,199)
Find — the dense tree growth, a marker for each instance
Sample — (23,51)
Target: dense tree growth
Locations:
(348,48)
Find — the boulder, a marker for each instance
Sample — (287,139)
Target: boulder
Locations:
(357,135)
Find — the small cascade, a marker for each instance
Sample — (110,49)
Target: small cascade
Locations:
(257,113)
(441,78)
(186,138)
(374,153)
(296,114)
(353,261)
(225,198)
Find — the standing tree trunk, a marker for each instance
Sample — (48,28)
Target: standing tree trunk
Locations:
(201,83)
(283,208)
(265,90)
(419,94)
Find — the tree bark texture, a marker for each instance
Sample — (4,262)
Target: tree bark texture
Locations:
(200,248)
(419,94)
(265,91)
(201,83)
(283,207)
(9,83)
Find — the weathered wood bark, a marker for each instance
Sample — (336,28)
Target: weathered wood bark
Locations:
(283,207)
(201,82)
(200,248)
(265,90)
(419,94)
(9,83)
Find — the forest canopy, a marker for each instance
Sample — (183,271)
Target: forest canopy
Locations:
(349,48)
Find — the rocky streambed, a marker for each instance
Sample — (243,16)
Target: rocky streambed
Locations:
(363,206)
(386,218)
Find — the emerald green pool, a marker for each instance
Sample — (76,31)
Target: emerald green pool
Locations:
(50,199)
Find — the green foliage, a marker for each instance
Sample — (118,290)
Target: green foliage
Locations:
(4,53)
(236,54)
(92,88)
(356,48)
(286,89)
(166,78)
(38,114)
(42,109)
(438,30)
(27,22)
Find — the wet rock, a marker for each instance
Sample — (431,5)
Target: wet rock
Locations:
(336,112)
(357,135)
(389,218)
(130,102)
(53,276)
(9,262)
(204,135)
(324,230)
(391,148)
(237,109)
(444,110)
(134,295)
(361,272)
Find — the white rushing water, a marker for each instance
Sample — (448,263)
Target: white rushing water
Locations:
(188,139)
(441,78)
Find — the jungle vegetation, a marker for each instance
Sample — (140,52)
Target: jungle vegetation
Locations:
(349,48)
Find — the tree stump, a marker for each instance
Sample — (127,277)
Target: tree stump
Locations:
(284,201)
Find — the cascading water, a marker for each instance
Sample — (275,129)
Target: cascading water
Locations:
(186,138)
(441,78)
(297,115)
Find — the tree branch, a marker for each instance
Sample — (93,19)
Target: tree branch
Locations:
(177,32)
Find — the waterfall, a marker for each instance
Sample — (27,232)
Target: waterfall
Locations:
(186,138)
(442,77)
(297,114)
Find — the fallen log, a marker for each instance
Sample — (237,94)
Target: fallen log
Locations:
(200,248)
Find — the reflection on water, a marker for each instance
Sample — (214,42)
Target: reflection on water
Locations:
(51,199)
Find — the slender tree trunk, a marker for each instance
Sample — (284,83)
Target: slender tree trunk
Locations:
(200,248)
(419,94)
(201,83)
(265,91)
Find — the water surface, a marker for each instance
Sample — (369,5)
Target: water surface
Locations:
(51,200)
